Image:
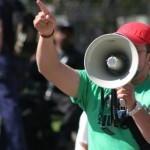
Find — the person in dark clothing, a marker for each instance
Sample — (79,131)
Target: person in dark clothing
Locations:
(10,12)
(32,86)
(59,101)
(12,132)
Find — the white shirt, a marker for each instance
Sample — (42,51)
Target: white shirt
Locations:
(82,135)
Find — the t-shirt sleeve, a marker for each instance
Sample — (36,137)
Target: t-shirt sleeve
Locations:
(82,91)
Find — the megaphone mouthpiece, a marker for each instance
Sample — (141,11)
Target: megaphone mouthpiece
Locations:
(117,64)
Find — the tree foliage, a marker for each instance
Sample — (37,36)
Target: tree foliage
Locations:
(90,17)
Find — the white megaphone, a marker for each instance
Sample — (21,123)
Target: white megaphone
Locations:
(111,61)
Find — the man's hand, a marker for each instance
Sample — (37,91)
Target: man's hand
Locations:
(127,93)
(44,22)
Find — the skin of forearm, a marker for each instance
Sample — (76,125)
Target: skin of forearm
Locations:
(64,77)
(46,56)
(142,120)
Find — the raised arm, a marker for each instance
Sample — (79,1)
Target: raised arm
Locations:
(64,77)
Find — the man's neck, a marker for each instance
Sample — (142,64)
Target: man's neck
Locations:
(139,78)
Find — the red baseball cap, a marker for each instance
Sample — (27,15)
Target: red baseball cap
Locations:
(138,33)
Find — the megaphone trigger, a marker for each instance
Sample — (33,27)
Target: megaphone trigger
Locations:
(122,102)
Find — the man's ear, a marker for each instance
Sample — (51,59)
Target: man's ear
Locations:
(148,60)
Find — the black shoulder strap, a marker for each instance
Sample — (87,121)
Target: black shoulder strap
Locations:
(144,145)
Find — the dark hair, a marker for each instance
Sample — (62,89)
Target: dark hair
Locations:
(66,27)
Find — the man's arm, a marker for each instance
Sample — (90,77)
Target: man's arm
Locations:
(64,77)
(141,118)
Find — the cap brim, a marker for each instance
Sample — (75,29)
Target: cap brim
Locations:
(133,39)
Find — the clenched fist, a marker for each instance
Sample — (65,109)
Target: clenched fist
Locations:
(127,93)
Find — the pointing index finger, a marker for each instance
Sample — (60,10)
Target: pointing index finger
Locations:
(42,7)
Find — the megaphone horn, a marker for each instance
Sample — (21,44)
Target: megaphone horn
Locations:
(111,61)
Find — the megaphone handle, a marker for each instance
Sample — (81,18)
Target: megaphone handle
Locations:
(114,105)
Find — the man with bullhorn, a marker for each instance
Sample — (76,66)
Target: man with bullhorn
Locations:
(118,114)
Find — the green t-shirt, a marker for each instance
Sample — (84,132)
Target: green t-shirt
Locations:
(89,99)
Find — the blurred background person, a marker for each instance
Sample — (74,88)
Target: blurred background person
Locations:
(60,102)
(12,132)
(10,12)
(32,87)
